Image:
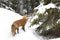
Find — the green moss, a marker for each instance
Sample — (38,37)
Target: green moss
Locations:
(46,2)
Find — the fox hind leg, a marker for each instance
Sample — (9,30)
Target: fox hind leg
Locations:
(18,30)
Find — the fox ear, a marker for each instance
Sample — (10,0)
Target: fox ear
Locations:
(25,15)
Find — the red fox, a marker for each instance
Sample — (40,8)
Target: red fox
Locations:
(17,24)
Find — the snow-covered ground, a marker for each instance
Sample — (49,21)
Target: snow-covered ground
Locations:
(8,17)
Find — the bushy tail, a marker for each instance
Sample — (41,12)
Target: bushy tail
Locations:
(12,30)
(12,27)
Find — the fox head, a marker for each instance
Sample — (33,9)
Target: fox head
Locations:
(25,16)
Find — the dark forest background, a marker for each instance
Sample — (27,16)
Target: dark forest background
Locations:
(19,6)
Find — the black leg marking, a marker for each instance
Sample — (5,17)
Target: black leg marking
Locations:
(23,28)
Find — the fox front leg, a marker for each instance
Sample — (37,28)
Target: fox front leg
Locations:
(23,28)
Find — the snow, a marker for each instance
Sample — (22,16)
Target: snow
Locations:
(24,11)
(34,17)
(6,19)
(58,21)
(41,8)
(55,39)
